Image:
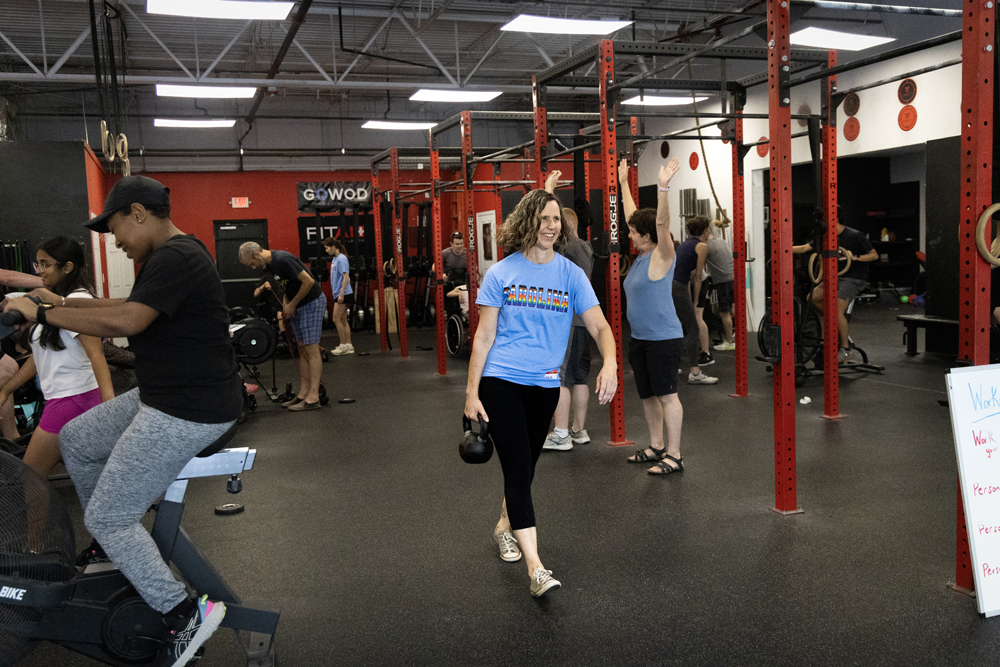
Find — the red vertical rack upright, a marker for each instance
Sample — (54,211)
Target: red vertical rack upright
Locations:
(397,231)
(468,171)
(977,195)
(380,200)
(438,276)
(779,120)
(739,256)
(609,168)
(831,374)
(541,132)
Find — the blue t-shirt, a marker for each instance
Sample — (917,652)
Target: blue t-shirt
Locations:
(651,313)
(338,267)
(537,303)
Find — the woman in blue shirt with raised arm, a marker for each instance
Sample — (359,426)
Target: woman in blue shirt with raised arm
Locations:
(526,307)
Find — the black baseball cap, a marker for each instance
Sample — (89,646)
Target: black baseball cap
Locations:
(130,190)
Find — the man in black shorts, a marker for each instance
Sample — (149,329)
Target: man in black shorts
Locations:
(860,251)
(573,389)
(304,305)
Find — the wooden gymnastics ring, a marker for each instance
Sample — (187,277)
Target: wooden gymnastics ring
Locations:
(626,264)
(817,277)
(984,219)
(107,147)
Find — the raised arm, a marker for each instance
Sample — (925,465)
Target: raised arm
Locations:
(552,181)
(626,191)
(664,247)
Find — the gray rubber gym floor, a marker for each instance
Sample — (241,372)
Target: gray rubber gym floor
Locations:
(373,538)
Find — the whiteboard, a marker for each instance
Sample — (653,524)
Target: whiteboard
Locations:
(974,401)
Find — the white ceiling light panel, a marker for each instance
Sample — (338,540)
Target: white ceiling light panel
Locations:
(545,24)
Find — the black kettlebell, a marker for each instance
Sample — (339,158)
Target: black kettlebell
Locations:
(475,447)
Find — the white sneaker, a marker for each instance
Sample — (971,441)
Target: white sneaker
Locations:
(509,551)
(554,442)
(725,345)
(701,378)
(579,437)
(341,349)
(542,582)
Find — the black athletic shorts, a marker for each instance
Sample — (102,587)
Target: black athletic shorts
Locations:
(706,285)
(654,364)
(725,295)
(576,364)
(348,299)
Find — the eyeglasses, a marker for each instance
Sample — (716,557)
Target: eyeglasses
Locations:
(44,266)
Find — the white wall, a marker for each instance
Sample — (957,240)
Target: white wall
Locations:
(938,103)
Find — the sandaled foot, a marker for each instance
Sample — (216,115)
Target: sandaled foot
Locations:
(644,455)
(665,468)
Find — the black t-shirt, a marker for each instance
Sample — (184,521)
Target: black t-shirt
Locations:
(859,245)
(286,268)
(185,364)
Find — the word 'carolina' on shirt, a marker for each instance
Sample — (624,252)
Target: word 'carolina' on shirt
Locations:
(536,297)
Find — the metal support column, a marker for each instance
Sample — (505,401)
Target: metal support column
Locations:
(541,132)
(779,119)
(472,254)
(606,79)
(438,265)
(381,200)
(831,337)
(633,175)
(977,194)
(739,252)
(397,231)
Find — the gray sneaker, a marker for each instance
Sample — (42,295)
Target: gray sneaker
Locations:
(579,437)
(701,378)
(542,582)
(556,443)
(509,551)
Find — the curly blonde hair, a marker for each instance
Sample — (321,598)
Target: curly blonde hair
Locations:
(519,231)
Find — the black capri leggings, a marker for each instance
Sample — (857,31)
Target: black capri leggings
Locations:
(519,421)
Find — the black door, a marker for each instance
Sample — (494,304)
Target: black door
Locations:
(238,281)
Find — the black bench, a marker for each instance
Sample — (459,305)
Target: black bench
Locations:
(914,322)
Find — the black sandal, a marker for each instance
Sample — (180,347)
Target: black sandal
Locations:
(664,468)
(641,456)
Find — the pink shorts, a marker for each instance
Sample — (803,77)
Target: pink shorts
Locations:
(58,411)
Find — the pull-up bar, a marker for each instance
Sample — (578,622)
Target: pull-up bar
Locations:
(900,77)
(885,55)
(631,83)
(891,9)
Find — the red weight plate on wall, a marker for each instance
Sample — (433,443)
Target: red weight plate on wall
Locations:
(852,128)
(851,104)
(762,148)
(664,150)
(693,161)
(907,118)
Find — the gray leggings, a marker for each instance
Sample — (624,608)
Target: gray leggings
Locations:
(122,456)
(689,321)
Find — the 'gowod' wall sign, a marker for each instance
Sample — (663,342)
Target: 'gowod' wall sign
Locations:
(330,196)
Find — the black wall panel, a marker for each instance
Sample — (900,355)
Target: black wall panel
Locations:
(43,193)
(943,209)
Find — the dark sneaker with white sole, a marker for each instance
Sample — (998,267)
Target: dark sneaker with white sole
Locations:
(189,633)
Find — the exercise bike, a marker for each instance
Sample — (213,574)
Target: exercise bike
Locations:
(95,610)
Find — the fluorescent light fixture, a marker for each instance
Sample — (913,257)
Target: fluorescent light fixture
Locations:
(430,95)
(833,39)
(661,101)
(393,125)
(168,90)
(221,9)
(174,122)
(528,23)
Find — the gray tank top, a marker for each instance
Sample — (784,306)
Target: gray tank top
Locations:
(719,260)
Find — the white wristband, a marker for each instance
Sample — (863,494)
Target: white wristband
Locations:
(662,189)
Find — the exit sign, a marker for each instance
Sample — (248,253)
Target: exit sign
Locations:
(240,202)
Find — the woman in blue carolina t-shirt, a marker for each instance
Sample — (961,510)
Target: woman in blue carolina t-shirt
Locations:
(526,307)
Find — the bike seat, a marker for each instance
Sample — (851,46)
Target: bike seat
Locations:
(222,441)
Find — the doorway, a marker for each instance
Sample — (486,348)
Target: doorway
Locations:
(238,281)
